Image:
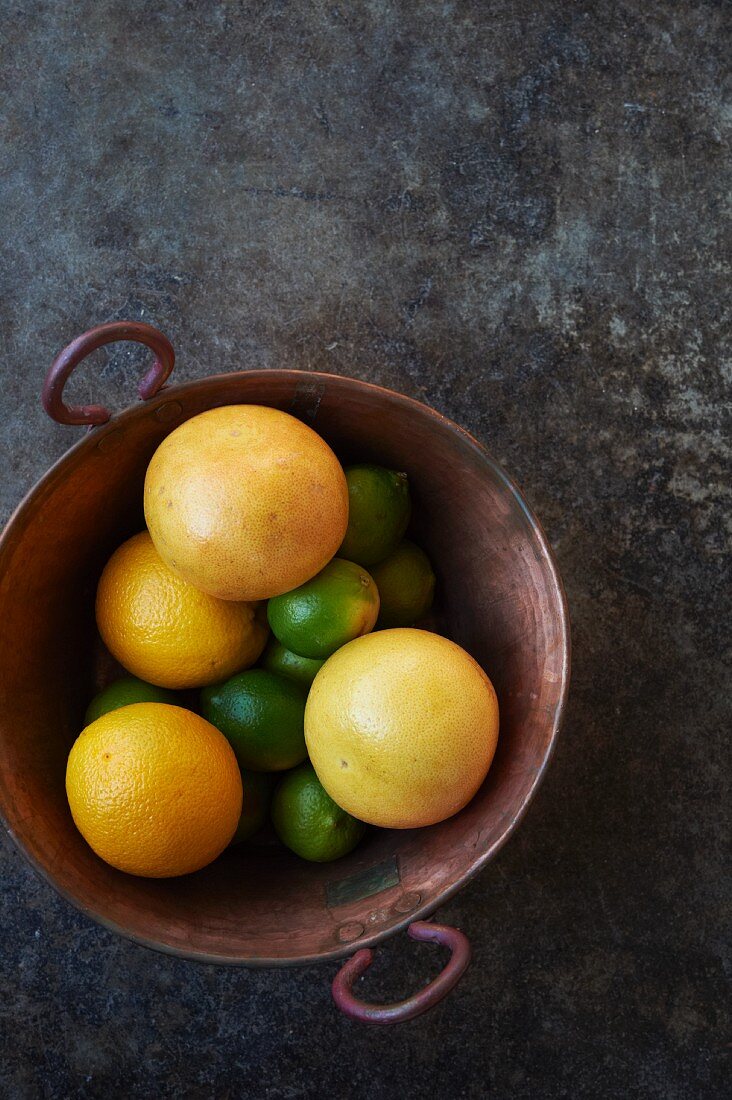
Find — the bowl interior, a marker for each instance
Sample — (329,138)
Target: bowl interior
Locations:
(498,596)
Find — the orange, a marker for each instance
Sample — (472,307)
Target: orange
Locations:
(245,502)
(154,789)
(401,727)
(164,630)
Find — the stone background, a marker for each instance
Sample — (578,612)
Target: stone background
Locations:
(513,211)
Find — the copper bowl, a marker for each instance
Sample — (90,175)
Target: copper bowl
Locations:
(500,597)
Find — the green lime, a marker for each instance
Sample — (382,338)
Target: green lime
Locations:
(257,787)
(124,692)
(262,716)
(406,586)
(378,513)
(340,603)
(309,822)
(301,670)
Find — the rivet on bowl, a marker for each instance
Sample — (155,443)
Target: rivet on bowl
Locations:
(407,902)
(347,933)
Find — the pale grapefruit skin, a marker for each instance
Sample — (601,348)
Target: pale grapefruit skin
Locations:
(401,727)
(245,502)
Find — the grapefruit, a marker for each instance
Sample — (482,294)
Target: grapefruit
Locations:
(245,502)
(401,727)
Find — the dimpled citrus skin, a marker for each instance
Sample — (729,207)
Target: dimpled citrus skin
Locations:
(401,727)
(154,789)
(163,629)
(245,502)
(314,620)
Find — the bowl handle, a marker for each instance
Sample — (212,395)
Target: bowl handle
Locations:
(78,349)
(418,1003)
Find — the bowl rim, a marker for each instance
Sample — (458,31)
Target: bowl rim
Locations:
(91,438)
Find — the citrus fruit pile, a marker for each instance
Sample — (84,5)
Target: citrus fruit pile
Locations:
(281,588)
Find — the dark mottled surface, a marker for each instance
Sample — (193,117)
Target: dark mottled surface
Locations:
(513,211)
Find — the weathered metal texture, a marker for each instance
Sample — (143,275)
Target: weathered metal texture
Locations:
(499,596)
(418,1003)
(78,349)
